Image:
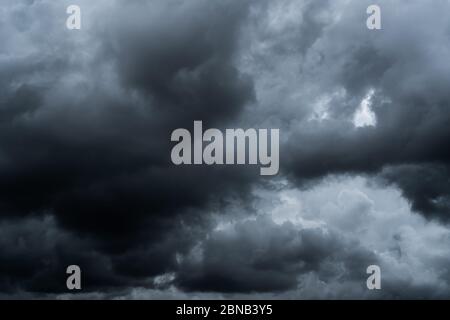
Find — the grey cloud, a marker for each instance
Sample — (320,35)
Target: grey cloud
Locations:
(261,256)
(85,121)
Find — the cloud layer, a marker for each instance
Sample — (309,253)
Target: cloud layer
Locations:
(85,171)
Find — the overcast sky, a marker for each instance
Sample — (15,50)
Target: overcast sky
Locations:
(85,170)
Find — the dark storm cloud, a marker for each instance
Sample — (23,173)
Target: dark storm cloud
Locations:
(35,255)
(95,153)
(186,67)
(428,187)
(261,256)
(410,81)
(83,151)
(86,117)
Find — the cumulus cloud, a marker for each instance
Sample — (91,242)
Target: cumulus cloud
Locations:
(318,243)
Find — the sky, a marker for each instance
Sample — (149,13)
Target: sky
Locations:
(86,176)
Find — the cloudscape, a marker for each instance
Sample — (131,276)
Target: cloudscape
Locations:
(87,179)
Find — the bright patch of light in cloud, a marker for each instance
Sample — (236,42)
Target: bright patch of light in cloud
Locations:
(364,116)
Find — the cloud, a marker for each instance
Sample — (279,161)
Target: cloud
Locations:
(318,85)
(36,253)
(317,243)
(83,146)
(261,256)
(85,171)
